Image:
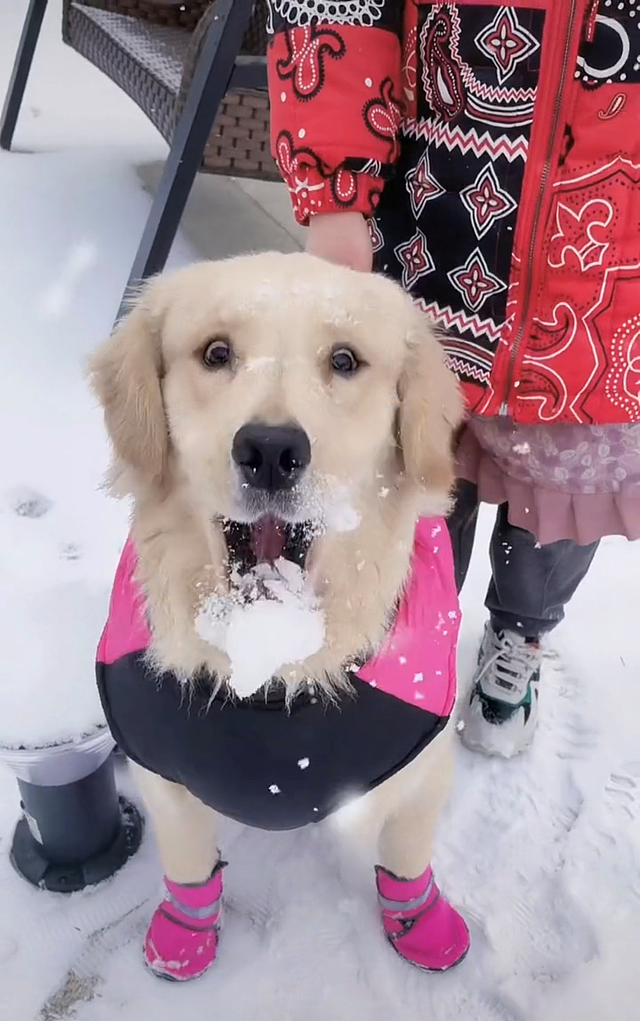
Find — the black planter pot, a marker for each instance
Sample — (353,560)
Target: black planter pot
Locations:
(75,830)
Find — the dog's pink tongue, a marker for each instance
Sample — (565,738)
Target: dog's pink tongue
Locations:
(267,539)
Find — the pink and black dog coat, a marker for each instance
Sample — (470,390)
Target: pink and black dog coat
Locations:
(277,766)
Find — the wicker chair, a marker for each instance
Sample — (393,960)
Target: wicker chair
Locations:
(197,68)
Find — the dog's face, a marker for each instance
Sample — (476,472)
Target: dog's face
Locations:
(277,388)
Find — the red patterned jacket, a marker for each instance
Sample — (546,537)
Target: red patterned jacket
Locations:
(496,149)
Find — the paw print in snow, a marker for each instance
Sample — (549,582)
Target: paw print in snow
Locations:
(29,503)
(622,790)
(70,551)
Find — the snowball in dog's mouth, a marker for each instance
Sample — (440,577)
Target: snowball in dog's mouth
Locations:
(265,541)
(270,616)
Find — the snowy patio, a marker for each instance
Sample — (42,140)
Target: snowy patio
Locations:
(541,854)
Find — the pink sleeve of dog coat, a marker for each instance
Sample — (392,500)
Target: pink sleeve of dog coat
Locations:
(126,630)
(417,662)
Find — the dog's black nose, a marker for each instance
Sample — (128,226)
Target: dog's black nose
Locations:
(271,457)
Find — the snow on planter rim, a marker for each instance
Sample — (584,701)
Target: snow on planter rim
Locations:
(48,693)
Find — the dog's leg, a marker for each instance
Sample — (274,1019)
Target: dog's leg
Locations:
(185,828)
(411,805)
(183,936)
(419,923)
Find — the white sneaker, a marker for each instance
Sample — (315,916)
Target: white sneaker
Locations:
(502,713)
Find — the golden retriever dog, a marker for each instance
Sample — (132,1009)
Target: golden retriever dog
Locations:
(283,427)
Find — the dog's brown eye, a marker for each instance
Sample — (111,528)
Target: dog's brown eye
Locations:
(344,362)
(217,354)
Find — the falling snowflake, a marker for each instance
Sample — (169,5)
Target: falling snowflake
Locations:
(275,789)
(303,763)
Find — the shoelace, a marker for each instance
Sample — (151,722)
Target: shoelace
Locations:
(514,663)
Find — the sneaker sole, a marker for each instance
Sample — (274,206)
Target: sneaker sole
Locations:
(494,739)
(492,750)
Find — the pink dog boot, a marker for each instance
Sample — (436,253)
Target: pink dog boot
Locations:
(419,923)
(182,940)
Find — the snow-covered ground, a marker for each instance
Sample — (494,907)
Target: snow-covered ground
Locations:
(542,854)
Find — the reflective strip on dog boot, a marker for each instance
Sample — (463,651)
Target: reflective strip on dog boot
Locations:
(399,907)
(182,940)
(419,923)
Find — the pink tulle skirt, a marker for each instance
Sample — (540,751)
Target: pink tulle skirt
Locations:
(563,481)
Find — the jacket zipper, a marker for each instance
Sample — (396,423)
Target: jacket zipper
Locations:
(526,301)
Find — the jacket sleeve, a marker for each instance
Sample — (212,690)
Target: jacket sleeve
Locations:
(335,93)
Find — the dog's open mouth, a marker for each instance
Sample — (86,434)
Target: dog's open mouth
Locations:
(265,541)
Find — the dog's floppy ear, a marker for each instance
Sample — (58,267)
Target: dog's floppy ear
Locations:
(126,376)
(430,410)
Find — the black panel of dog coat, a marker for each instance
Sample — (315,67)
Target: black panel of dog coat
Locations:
(259,762)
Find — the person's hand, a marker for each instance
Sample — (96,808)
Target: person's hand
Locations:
(343,238)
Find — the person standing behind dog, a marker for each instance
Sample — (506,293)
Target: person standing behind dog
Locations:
(488,157)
